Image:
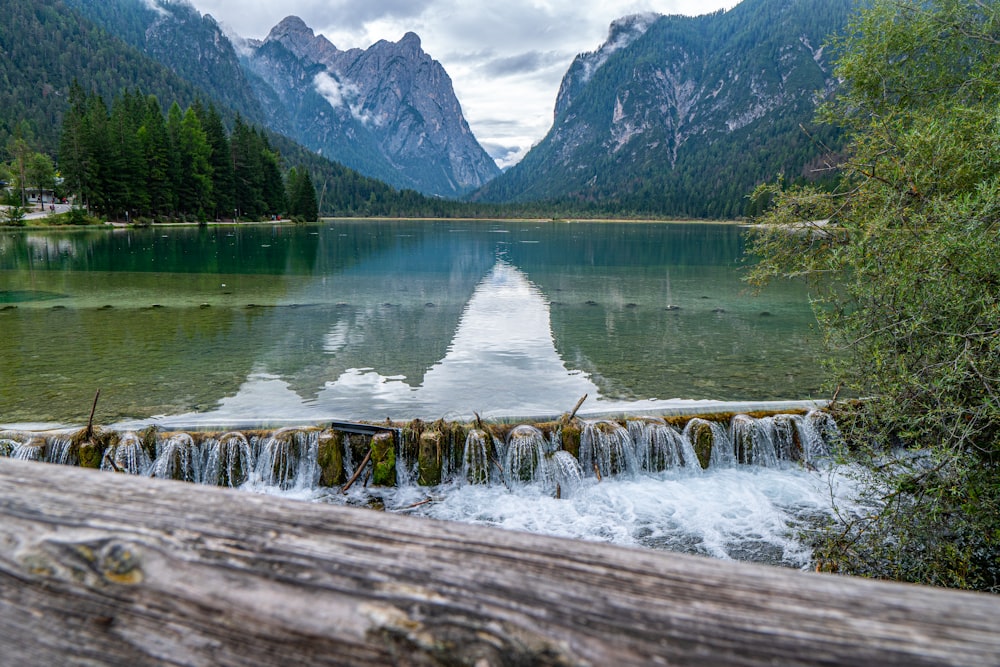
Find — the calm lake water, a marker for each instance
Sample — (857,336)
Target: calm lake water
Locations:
(368,320)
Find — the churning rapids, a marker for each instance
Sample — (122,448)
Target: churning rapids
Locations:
(752,494)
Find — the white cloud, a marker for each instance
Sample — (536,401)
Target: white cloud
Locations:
(156,7)
(329,88)
(342,94)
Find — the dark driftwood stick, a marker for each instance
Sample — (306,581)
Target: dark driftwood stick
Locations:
(428,501)
(104,569)
(90,422)
(569,417)
(357,473)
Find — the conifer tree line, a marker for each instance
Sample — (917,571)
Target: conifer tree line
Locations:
(131,162)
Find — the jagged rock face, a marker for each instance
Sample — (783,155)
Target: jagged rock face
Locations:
(391,95)
(666,105)
(195,47)
(295,106)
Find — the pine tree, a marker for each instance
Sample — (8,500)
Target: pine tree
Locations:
(220,159)
(272,183)
(247,170)
(155,146)
(100,163)
(195,192)
(302,196)
(72,149)
(127,184)
(175,165)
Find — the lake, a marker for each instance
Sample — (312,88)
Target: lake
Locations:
(400,319)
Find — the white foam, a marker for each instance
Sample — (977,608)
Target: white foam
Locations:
(743,513)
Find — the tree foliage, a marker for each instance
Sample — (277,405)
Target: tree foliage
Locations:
(906,267)
(130,161)
(302,203)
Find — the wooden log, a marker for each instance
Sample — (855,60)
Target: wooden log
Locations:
(98,568)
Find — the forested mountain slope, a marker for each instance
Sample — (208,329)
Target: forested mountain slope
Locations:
(176,35)
(686,115)
(44,46)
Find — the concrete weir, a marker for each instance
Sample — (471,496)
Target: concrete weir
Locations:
(547,451)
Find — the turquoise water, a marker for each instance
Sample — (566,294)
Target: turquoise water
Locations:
(368,320)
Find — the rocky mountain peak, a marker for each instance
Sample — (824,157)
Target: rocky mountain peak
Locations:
(293,33)
(290,27)
(410,41)
(392,95)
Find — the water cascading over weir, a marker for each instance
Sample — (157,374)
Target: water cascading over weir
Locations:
(554,455)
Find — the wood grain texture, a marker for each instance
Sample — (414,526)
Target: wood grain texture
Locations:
(106,569)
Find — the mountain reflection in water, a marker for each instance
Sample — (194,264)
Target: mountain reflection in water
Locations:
(501,355)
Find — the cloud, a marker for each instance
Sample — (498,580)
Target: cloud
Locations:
(156,7)
(504,156)
(522,63)
(330,88)
(342,95)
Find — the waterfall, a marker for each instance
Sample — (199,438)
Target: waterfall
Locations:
(33,450)
(288,459)
(566,473)
(753,441)
(607,449)
(817,431)
(659,446)
(62,452)
(348,456)
(783,432)
(127,455)
(476,462)
(710,442)
(525,460)
(229,460)
(177,457)
(406,464)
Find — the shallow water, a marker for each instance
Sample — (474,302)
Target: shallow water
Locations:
(364,320)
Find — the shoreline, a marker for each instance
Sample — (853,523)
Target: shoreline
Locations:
(289,223)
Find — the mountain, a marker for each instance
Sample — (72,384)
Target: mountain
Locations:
(44,46)
(389,110)
(176,35)
(106,47)
(684,116)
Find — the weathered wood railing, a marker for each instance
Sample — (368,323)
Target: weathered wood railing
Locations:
(98,568)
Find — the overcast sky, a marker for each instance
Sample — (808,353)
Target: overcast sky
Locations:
(505,58)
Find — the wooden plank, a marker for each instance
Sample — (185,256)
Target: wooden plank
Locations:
(106,569)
